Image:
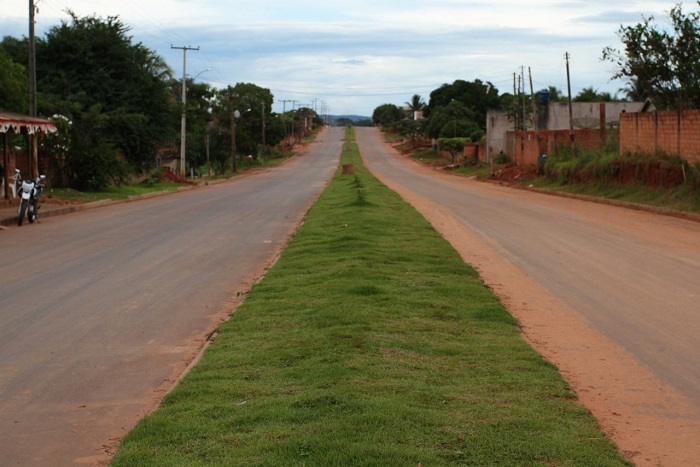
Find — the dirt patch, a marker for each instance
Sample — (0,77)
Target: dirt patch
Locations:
(173,177)
(514,174)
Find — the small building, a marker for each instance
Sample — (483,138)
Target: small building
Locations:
(32,127)
(502,136)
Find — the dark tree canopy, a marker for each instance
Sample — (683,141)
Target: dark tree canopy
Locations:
(115,92)
(454,120)
(665,62)
(477,96)
(387,114)
(91,65)
(590,94)
(14,94)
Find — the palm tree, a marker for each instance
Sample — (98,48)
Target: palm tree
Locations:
(416,104)
(635,91)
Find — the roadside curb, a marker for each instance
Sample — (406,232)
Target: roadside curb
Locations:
(8,216)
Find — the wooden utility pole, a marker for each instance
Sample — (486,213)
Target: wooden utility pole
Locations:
(284,117)
(263,123)
(517,107)
(294,102)
(572,135)
(534,113)
(522,95)
(32,60)
(33,139)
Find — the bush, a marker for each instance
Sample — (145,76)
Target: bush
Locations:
(501,158)
(154,177)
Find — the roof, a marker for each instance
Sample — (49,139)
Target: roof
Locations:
(19,123)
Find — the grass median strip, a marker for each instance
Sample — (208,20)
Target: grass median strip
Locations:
(370,342)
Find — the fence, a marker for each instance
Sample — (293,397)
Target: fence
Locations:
(529,145)
(670,132)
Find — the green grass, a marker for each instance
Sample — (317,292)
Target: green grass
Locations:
(428,155)
(593,173)
(370,342)
(114,192)
(682,198)
(475,168)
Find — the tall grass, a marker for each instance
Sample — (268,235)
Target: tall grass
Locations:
(657,180)
(370,342)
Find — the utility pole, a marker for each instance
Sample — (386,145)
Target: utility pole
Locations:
(32,60)
(522,95)
(293,104)
(534,113)
(33,149)
(571,111)
(284,115)
(233,130)
(263,124)
(516,109)
(183,120)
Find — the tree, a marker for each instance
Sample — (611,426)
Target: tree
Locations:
(57,146)
(115,92)
(416,104)
(413,130)
(592,95)
(253,105)
(14,93)
(200,97)
(478,97)
(666,63)
(453,120)
(454,146)
(634,91)
(386,114)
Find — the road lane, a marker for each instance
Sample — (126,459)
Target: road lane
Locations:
(631,275)
(101,311)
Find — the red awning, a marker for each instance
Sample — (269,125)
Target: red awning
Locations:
(24,124)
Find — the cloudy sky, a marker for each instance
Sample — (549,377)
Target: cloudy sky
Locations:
(351,56)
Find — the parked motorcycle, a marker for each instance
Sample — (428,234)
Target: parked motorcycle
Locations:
(30,192)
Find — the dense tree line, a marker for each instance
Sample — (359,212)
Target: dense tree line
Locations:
(120,105)
(114,92)
(458,110)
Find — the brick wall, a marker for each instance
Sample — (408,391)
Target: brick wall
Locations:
(526,149)
(669,132)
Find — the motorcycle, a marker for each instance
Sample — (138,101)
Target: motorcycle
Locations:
(30,192)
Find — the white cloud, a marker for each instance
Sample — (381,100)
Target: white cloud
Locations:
(356,55)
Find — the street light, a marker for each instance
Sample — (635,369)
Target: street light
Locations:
(183,122)
(234,115)
(203,71)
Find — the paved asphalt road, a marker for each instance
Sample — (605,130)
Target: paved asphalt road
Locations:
(633,275)
(99,310)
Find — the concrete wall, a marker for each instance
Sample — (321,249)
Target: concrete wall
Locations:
(586,115)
